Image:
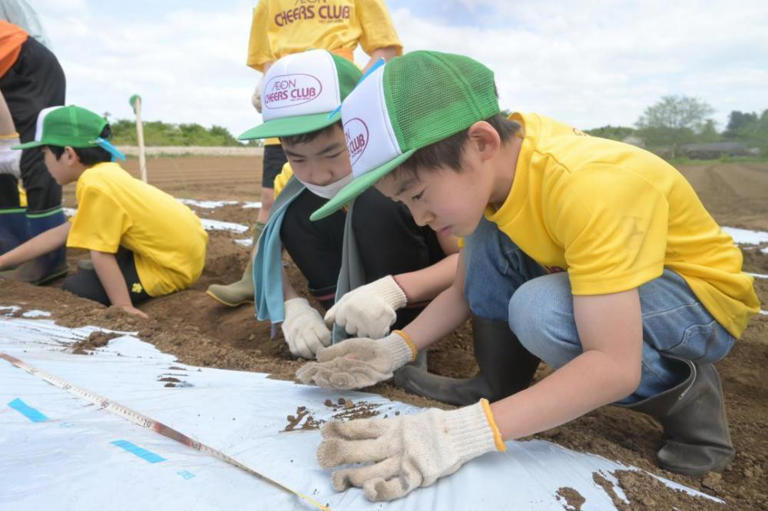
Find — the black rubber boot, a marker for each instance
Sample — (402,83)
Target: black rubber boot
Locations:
(505,366)
(696,437)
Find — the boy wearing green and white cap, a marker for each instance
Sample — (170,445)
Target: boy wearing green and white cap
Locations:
(142,242)
(597,254)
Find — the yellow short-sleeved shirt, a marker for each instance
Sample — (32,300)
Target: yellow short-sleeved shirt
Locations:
(614,216)
(166,237)
(282,27)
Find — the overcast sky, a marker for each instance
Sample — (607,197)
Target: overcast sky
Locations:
(588,63)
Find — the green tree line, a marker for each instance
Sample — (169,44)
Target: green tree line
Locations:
(674,121)
(158,133)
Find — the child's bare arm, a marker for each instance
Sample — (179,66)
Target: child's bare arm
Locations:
(610,329)
(111,278)
(444,314)
(427,283)
(385,53)
(37,246)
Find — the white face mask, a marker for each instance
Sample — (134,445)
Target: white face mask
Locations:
(328,191)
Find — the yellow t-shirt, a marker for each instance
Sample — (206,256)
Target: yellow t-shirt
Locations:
(282,27)
(614,216)
(166,237)
(282,179)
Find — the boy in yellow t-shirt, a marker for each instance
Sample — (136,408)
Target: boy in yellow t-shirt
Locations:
(142,241)
(283,27)
(598,254)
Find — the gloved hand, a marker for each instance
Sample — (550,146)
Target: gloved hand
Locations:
(304,329)
(408,451)
(256,97)
(357,363)
(369,310)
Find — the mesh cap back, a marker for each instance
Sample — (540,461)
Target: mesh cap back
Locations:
(431,96)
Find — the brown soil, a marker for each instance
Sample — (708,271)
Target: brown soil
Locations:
(93,341)
(201,332)
(302,414)
(573,499)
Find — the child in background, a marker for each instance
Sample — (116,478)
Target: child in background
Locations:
(143,243)
(30,80)
(598,254)
(280,28)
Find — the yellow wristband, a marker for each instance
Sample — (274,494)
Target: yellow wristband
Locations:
(9,136)
(409,342)
(500,445)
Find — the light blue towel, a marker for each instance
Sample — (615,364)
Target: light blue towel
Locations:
(268,263)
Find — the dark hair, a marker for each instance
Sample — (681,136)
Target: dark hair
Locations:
(448,152)
(88,156)
(308,137)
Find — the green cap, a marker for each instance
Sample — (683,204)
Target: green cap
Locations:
(409,103)
(302,93)
(63,126)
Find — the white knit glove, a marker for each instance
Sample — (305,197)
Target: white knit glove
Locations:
(369,310)
(408,451)
(357,363)
(304,329)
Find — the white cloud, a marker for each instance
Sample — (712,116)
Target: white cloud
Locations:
(588,63)
(603,63)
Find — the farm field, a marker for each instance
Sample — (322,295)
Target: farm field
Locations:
(199,331)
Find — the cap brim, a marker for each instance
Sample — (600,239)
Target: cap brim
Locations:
(358,186)
(288,126)
(29,145)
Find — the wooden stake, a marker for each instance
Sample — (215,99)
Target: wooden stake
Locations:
(135,102)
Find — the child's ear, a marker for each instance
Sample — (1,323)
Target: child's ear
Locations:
(71,155)
(485,139)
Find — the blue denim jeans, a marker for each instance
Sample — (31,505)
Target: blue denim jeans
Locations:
(503,283)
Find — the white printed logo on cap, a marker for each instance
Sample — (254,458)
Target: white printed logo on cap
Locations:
(290,90)
(356,133)
(301,84)
(371,141)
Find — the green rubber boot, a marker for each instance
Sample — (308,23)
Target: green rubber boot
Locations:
(240,292)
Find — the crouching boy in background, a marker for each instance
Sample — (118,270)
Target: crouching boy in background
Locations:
(142,242)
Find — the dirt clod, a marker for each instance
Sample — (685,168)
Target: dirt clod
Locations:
(97,339)
(573,499)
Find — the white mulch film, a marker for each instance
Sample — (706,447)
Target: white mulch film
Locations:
(218,225)
(213,204)
(62,452)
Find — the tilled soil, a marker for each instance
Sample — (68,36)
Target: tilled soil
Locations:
(199,331)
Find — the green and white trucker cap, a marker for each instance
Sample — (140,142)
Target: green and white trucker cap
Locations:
(409,103)
(63,126)
(301,90)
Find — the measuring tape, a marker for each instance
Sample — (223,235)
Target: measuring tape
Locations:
(148,422)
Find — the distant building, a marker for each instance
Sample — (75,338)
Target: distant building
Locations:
(634,140)
(714,150)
